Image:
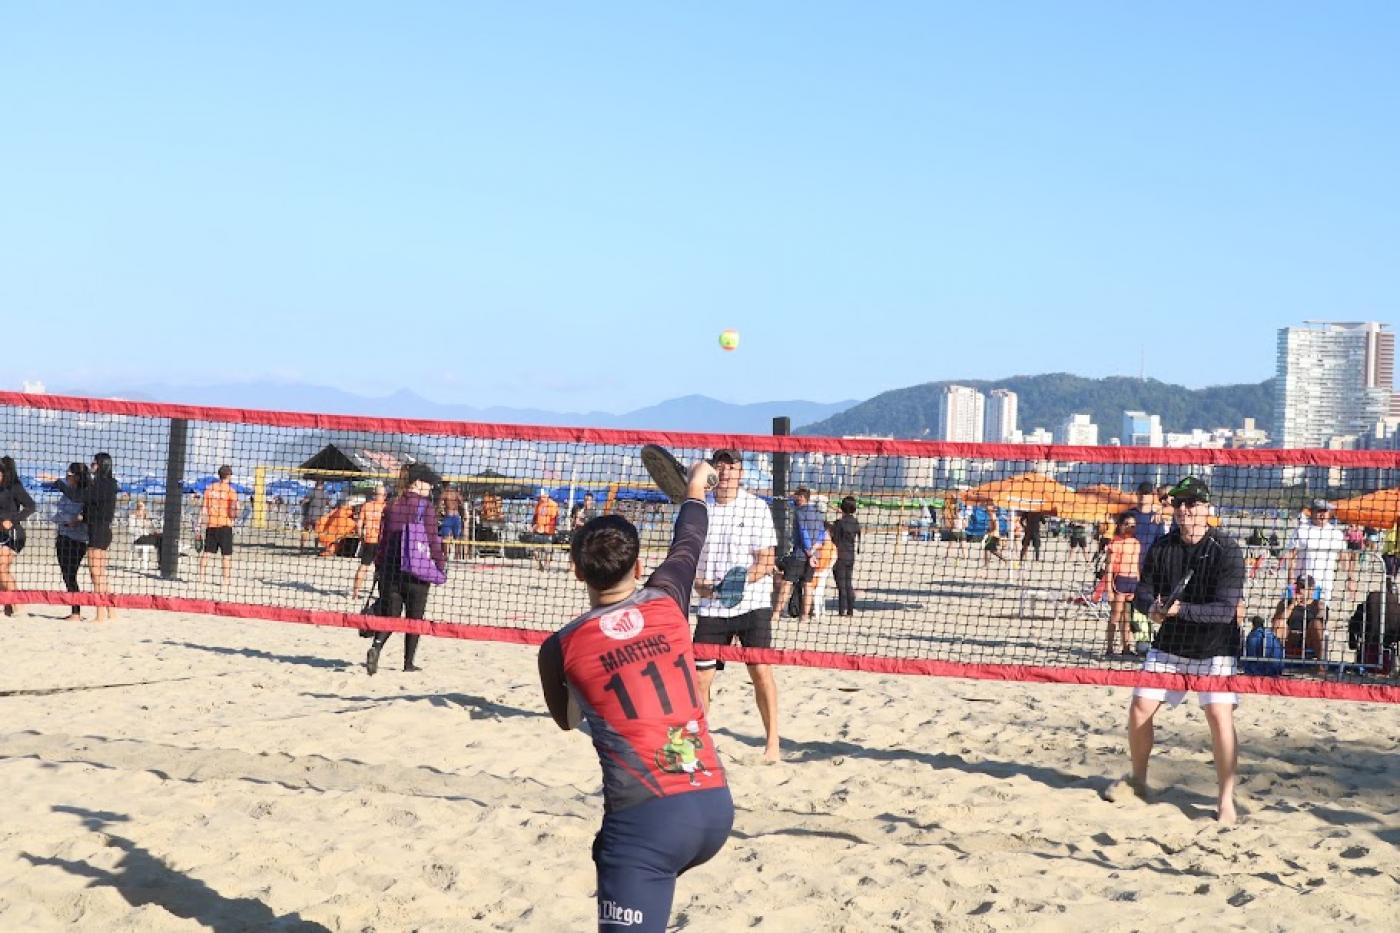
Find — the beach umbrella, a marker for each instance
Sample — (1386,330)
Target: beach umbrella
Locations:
(1027,492)
(204,482)
(1379,509)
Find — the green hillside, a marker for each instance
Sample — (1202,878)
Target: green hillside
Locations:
(1046,400)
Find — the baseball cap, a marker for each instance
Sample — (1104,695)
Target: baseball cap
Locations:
(1146,489)
(1321,505)
(1190,487)
(726,455)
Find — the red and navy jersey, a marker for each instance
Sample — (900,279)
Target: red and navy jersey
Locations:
(631,668)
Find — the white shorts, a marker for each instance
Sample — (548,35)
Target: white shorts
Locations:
(1160,662)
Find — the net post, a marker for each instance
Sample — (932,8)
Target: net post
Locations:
(782,427)
(171,531)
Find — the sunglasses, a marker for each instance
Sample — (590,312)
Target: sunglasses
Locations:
(1185,503)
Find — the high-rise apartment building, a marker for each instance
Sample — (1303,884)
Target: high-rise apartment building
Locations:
(1079,431)
(1335,379)
(1141,429)
(960,414)
(1000,426)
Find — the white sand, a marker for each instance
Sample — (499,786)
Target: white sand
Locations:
(249,775)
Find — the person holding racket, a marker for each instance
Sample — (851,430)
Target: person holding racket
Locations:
(1192,585)
(627,666)
(734,583)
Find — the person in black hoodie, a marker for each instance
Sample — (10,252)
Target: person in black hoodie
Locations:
(99,509)
(15,507)
(845,531)
(1192,586)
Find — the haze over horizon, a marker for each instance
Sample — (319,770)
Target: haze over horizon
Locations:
(561,209)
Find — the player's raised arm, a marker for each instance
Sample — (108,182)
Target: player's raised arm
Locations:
(676,575)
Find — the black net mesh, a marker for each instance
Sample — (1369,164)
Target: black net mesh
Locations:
(968,558)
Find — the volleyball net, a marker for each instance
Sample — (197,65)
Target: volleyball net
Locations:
(974,560)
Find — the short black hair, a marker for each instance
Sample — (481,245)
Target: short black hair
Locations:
(848,505)
(605,550)
(802,492)
(225,471)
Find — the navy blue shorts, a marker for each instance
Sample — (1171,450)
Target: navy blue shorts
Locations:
(640,851)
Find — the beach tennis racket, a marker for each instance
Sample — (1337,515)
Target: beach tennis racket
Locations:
(666,472)
(730,589)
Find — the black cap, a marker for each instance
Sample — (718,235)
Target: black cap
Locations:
(1146,489)
(726,455)
(1190,487)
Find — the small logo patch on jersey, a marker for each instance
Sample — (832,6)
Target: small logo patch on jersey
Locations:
(622,625)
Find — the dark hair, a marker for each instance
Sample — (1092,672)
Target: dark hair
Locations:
(9,473)
(1256,621)
(848,505)
(103,461)
(225,471)
(81,476)
(802,492)
(1122,520)
(605,550)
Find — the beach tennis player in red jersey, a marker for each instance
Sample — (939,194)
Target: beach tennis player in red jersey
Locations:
(627,667)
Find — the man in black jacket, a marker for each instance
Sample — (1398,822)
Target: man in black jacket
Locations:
(1192,586)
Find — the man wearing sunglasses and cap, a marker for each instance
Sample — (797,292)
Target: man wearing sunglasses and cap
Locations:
(1192,585)
(1313,549)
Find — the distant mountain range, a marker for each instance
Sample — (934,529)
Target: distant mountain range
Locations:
(1047,400)
(1043,401)
(688,413)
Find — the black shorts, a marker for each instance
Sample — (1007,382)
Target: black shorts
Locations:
(368,549)
(796,569)
(99,537)
(753,629)
(992,544)
(218,541)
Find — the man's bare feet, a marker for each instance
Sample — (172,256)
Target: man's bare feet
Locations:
(1225,815)
(1122,788)
(771,755)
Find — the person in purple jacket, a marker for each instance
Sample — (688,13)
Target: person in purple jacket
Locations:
(401,593)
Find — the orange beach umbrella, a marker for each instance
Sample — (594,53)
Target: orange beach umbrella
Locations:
(1028,492)
(1377,509)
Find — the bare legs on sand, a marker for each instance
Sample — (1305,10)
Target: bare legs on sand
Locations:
(1224,745)
(765,693)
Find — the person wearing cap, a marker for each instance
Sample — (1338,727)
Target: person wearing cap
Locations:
(1192,585)
(1147,519)
(400,592)
(1300,618)
(543,524)
(741,534)
(1314,548)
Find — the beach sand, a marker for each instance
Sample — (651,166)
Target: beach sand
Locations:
(175,772)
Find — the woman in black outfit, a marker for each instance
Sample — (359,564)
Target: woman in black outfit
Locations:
(15,507)
(99,509)
(71,538)
(845,531)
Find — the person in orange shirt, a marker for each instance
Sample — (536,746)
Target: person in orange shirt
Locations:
(544,523)
(220,508)
(371,519)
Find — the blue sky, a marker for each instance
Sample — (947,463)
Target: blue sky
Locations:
(561,206)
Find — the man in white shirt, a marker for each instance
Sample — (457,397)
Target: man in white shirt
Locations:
(1313,548)
(741,535)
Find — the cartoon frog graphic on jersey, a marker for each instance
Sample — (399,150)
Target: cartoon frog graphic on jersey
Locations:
(678,754)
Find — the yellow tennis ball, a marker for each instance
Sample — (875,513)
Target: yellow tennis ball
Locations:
(729,340)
